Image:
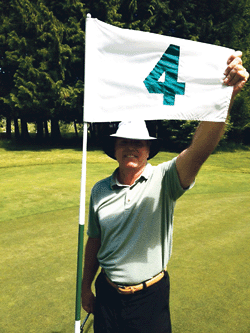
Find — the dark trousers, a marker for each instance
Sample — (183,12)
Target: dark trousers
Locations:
(146,311)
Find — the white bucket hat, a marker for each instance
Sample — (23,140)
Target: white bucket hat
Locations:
(133,130)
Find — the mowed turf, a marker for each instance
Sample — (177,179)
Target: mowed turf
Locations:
(39,205)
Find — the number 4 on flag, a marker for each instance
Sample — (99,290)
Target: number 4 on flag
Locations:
(168,63)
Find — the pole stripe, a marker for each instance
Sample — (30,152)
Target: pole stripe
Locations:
(79,272)
(77,326)
(81,232)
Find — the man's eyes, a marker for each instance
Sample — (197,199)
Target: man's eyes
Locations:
(137,144)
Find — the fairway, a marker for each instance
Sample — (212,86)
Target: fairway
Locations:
(39,205)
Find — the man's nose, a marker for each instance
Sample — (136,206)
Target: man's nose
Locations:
(131,145)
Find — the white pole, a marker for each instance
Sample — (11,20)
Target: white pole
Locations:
(81,230)
(77,326)
(84,172)
(81,219)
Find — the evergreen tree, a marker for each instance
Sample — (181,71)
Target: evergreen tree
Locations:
(7,68)
(41,56)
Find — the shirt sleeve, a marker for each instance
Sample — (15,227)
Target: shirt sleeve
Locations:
(172,180)
(94,230)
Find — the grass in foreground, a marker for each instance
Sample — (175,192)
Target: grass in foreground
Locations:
(39,205)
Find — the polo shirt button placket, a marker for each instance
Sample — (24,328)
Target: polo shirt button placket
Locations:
(128,198)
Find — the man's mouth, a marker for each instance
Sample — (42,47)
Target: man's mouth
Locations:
(130,156)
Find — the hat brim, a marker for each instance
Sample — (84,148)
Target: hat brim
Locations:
(147,138)
(109,146)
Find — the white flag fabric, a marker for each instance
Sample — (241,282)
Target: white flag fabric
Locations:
(131,74)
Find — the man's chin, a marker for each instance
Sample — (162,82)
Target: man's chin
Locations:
(131,165)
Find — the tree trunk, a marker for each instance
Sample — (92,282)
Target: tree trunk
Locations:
(17,132)
(24,130)
(75,127)
(39,130)
(8,128)
(45,125)
(55,130)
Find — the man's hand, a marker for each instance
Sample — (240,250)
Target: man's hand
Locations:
(88,300)
(236,74)
(208,134)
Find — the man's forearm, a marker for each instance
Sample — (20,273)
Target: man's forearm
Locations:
(90,268)
(206,139)
(189,162)
(91,263)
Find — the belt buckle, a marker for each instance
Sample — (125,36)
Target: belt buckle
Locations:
(126,290)
(119,290)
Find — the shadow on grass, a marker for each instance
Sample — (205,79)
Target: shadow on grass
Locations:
(46,144)
(230,147)
(69,141)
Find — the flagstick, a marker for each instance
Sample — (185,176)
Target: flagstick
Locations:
(81,232)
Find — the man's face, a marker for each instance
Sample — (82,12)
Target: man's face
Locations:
(131,154)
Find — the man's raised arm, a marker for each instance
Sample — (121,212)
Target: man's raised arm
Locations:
(208,134)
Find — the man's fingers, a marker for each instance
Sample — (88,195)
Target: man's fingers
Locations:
(88,302)
(235,62)
(237,54)
(88,308)
(236,74)
(240,83)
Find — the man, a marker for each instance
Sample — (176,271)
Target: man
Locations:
(130,224)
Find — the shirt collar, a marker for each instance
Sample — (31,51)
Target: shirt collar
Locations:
(145,175)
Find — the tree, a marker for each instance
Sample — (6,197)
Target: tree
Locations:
(7,69)
(40,56)
(42,51)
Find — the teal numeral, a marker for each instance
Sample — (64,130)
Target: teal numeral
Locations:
(168,63)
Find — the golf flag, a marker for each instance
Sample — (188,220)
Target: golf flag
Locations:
(131,74)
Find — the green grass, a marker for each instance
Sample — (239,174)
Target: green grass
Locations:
(39,204)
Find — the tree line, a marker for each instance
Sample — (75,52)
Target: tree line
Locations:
(42,56)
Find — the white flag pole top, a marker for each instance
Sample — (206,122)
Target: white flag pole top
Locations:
(117,62)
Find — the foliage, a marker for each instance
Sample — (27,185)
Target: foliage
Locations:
(40,61)
(42,52)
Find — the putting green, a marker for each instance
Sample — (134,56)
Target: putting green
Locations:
(39,205)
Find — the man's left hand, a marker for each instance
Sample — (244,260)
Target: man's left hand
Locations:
(236,74)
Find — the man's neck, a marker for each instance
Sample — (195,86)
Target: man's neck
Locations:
(129,176)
